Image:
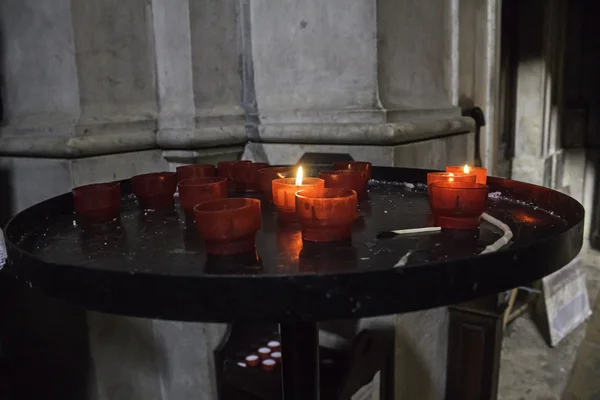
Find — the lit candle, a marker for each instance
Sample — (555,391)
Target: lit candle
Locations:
(284,192)
(433,177)
(479,172)
(361,166)
(457,205)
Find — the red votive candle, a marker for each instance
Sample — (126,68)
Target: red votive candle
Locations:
(264,352)
(266,176)
(345,179)
(197,190)
(268,364)
(155,190)
(252,360)
(276,355)
(274,345)
(327,217)
(226,170)
(195,171)
(433,177)
(284,191)
(479,172)
(361,166)
(228,226)
(98,202)
(458,205)
(246,176)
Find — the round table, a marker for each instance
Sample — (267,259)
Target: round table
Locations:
(152,263)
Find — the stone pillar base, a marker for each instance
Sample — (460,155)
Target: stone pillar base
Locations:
(432,154)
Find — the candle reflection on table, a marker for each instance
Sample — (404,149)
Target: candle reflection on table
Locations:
(289,242)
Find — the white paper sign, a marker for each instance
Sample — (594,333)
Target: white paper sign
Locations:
(370,391)
(2,250)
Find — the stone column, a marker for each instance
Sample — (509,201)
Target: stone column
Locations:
(200,75)
(478,57)
(538,101)
(40,92)
(329,73)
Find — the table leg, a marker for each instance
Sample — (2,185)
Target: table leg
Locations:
(300,360)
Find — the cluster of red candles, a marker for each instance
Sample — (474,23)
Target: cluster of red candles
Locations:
(326,206)
(458,196)
(268,357)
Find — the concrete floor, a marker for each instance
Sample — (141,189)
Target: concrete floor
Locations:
(530,369)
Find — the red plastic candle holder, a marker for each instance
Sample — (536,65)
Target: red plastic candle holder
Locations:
(284,192)
(327,217)
(433,177)
(276,355)
(458,205)
(197,190)
(155,190)
(246,176)
(98,202)
(195,171)
(266,176)
(274,345)
(264,352)
(228,226)
(361,166)
(226,170)
(479,172)
(252,360)
(268,364)
(345,179)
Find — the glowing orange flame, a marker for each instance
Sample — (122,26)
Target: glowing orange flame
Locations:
(466,169)
(299,177)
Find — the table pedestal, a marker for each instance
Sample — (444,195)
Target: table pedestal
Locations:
(300,360)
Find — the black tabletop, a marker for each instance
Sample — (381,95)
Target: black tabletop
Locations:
(153,264)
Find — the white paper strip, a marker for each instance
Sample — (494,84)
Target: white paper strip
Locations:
(432,229)
(497,245)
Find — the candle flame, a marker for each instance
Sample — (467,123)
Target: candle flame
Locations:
(466,169)
(299,177)
(450,179)
(451,174)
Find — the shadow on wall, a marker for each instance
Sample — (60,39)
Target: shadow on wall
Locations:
(129,361)
(413,376)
